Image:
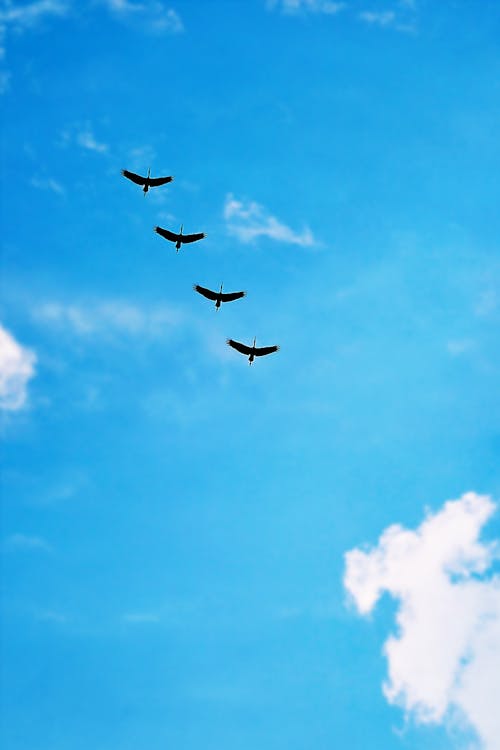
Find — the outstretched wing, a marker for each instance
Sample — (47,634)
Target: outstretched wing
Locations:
(166,234)
(231,296)
(192,237)
(156,181)
(243,348)
(134,177)
(262,350)
(206,292)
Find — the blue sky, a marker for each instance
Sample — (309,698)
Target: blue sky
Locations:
(175,523)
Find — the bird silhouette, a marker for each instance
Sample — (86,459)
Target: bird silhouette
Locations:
(252,351)
(180,238)
(146,182)
(218,297)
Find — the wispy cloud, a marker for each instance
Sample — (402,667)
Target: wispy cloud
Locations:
(29,14)
(327,7)
(249,220)
(378,18)
(400,15)
(108,318)
(17,367)
(48,183)
(444,660)
(27,543)
(151,15)
(86,139)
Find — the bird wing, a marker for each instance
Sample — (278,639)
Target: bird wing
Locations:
(134,177)
(192,237)
(166,234)
(231,296)
(205,292)
(243,348)
(156,181)
(262,350)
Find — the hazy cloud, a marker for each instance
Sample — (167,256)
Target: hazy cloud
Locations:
(249,220)
(48,183)
(86,139)
(307,6)
(29,14)
(17,367)
(380,18)
(110,317)
(444,659)
(26,542)
(151,15)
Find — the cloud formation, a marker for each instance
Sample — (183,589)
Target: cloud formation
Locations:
(249,220)
(17,367)
(444,660)
(151,15)
(108,318)
(400,15)
(27,543)
(307,6)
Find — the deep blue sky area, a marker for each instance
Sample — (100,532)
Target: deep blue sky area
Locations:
(174,521)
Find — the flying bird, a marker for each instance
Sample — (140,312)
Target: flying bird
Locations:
(218,297)
(252,351)
(146,182)
(179,238)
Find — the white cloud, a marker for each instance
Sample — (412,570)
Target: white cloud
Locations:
(249,220)
(307,6)
(152,15)
(86,139)
(378,18)
(25,542)
(22,16)
(17,367)
(48,183)
(444,660)
(108,318)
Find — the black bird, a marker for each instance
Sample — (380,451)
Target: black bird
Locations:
(179,238)
(252,351)
(218,297)
(148,181)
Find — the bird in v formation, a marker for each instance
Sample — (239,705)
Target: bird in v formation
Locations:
(218,297)
(146,182)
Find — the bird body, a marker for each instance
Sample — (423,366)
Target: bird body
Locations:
(180,238)
(146,182)
(252,351)
(218,297)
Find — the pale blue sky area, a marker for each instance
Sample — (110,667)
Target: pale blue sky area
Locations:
(175,521)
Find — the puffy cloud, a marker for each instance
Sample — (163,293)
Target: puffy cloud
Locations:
(444,660)
(249,220)
(17,367)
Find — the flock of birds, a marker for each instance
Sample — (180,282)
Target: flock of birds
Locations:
(218,297)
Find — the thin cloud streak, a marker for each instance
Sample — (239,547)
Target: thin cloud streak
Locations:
(27,543)
(248,221)
(109,317)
